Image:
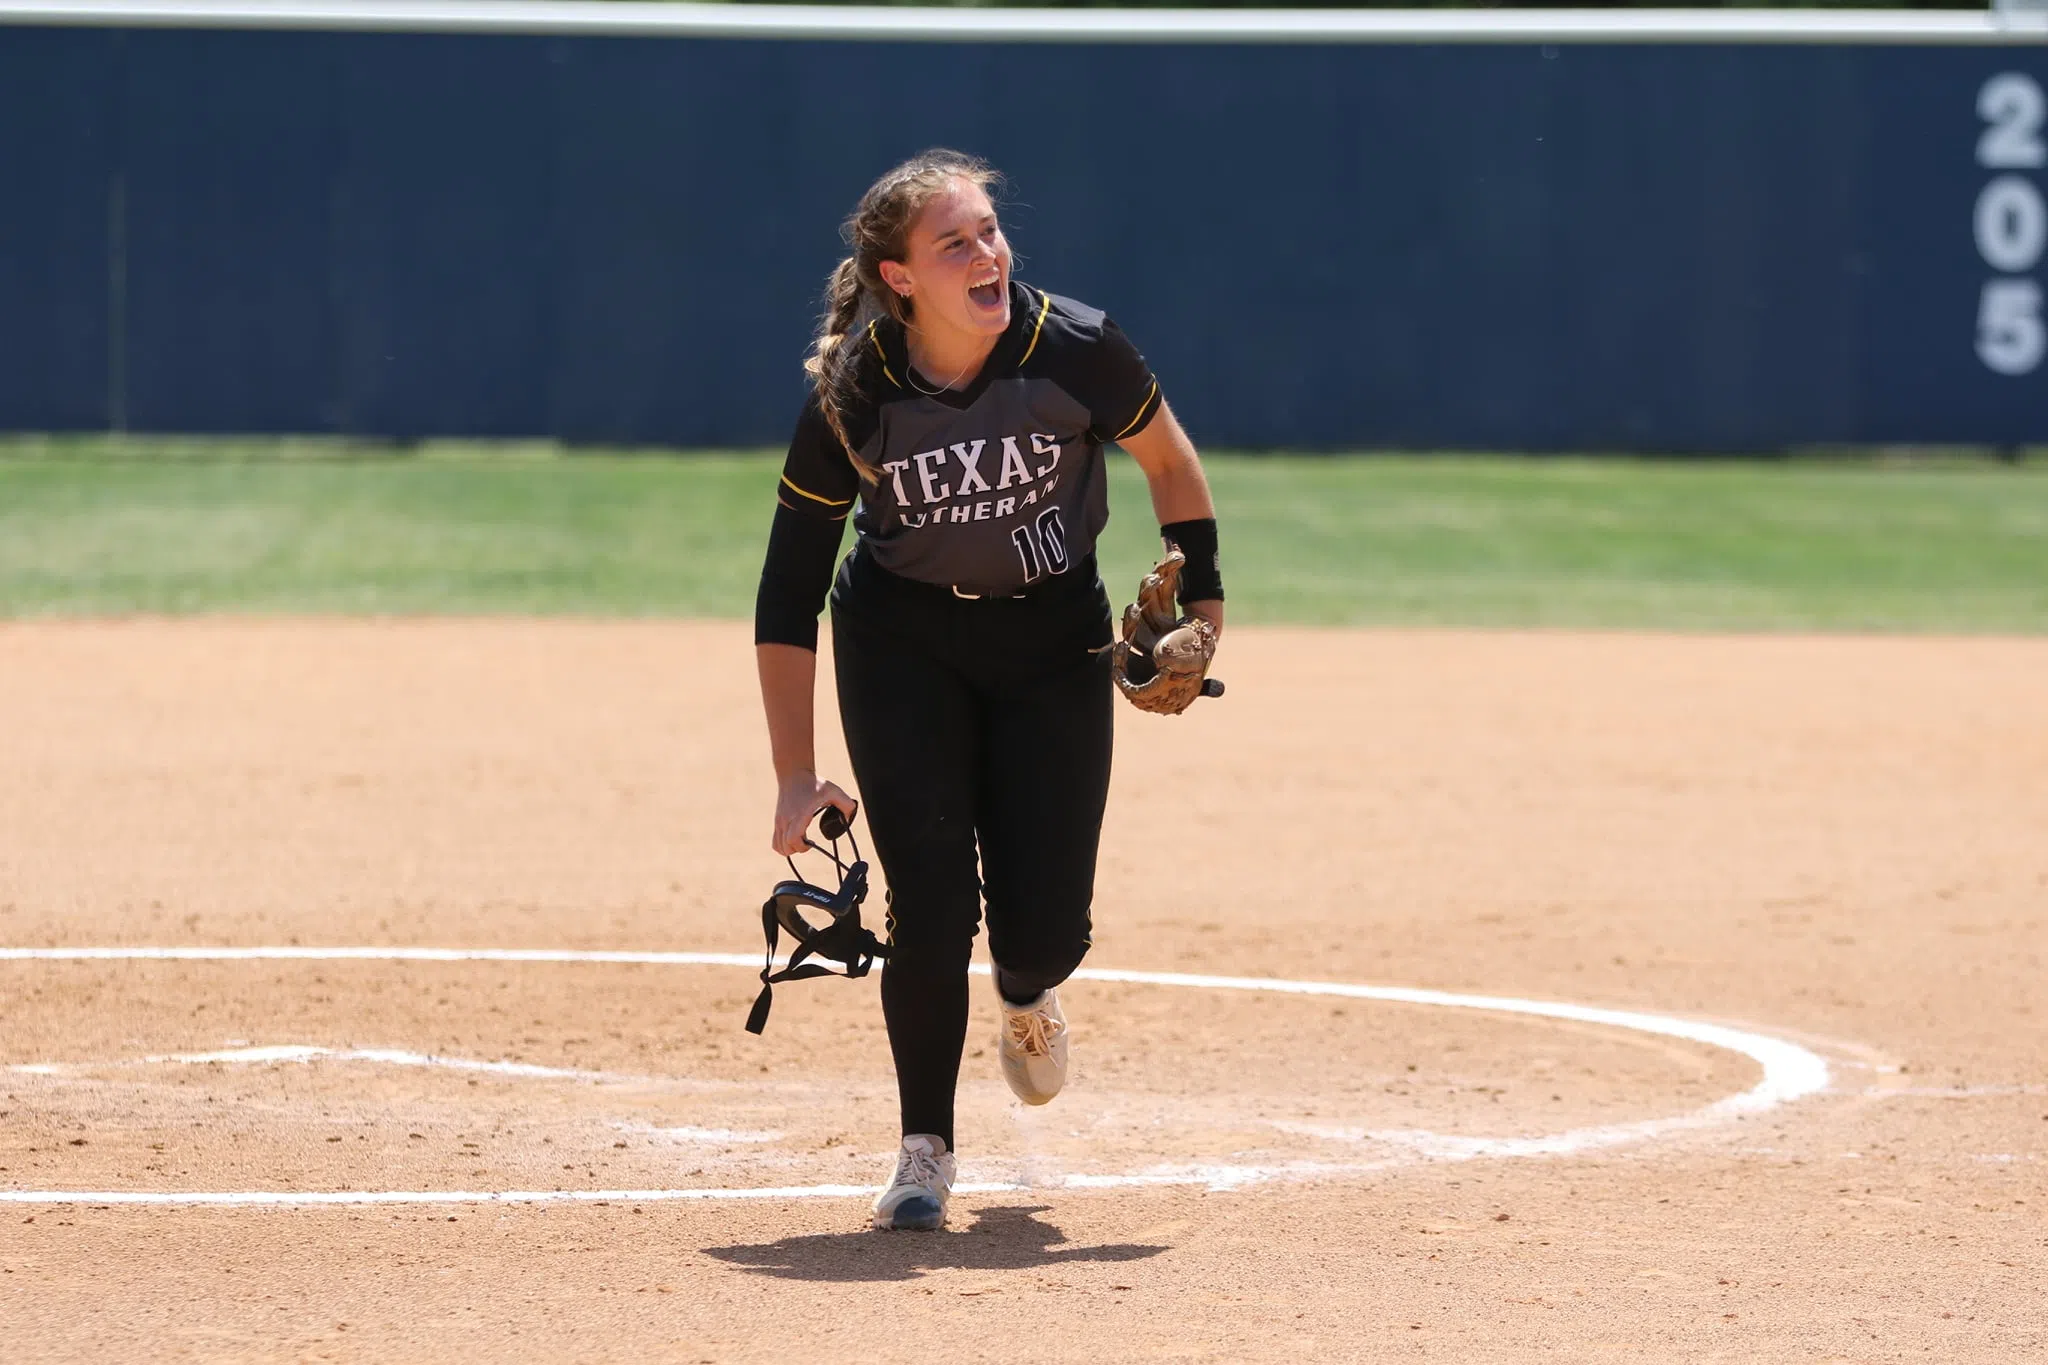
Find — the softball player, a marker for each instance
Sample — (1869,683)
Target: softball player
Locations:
(964,415)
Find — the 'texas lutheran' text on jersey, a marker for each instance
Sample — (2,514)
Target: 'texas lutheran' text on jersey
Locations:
(994,486)
(930,493)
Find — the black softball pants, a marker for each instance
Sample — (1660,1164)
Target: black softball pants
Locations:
(976,727)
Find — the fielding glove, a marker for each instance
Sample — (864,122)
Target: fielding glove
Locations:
(1162,662)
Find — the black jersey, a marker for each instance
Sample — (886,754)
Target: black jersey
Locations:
(990,488)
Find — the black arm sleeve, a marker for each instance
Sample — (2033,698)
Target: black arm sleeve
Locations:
(816,491)
(795,578)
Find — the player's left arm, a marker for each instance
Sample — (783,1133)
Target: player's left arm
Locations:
(1180,491)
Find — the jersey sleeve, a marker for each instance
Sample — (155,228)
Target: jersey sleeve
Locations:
(1123,394)
(817,478)
(815,492)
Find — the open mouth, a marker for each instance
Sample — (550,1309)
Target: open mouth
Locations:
(988,293)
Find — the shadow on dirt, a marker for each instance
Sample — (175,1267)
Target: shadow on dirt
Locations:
(997,1239)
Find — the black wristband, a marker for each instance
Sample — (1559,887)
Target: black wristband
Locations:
(1201,579)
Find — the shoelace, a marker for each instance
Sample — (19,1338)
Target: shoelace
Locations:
(1034,1032)
(915,1167)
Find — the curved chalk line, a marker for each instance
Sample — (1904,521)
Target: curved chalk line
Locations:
(1790,1072)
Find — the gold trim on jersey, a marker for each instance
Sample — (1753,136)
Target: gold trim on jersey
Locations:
(1044,307)
(881,354)
(781,501)
(829,502)
(1141,412)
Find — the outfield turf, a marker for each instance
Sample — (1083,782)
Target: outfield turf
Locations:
(93,528)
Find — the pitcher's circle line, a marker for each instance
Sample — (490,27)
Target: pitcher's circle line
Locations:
(1790,1072)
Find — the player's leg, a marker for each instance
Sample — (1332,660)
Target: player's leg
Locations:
(908,720)
(1043,787)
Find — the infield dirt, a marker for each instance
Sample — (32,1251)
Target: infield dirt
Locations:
(1839,841)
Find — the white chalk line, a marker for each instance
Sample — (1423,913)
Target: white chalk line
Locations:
(716,1137)
(1790,1072)
(289,1053)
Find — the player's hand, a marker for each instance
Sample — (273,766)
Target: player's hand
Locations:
(1210,610)
(801,797)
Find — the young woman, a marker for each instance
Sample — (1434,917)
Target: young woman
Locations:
(964,413)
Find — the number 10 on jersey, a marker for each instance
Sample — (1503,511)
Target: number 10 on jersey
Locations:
(2011,223)
(1042,545)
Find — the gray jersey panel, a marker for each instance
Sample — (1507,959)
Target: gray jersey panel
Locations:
(990,498)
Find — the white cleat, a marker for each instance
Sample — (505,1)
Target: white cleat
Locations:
(917,1194)
(1033,1045)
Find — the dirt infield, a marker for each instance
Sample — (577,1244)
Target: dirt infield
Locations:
(1834,849)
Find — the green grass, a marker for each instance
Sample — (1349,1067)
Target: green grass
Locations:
(95,527)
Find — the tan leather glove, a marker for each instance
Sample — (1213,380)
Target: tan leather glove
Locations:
(1162,662)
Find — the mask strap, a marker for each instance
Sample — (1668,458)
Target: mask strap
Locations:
(860,945)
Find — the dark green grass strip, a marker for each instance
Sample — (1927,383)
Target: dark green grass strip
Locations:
(1685,546)
(1831,545)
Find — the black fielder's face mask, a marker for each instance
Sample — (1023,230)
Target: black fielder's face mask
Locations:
(823,924)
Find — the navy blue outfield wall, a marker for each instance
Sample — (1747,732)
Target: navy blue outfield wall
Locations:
(1665,248)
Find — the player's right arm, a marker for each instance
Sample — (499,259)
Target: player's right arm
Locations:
(815,493)
(788,683)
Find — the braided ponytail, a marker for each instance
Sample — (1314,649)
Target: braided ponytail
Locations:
(830,363)
(855,293)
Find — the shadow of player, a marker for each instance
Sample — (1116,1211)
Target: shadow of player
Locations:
(998,1239)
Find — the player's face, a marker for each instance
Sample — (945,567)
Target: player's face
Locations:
(958,264)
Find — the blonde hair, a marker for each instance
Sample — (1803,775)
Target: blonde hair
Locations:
(855,292)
